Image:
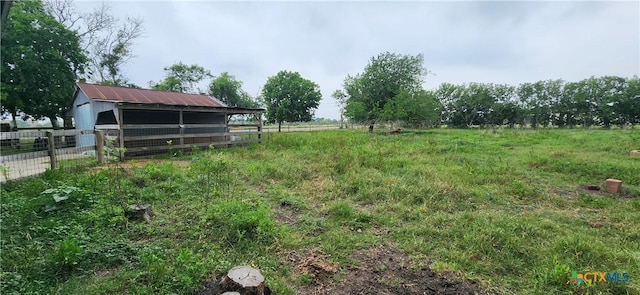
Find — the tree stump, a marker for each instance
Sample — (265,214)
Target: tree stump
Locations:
(140,212)
(614,186)
(245,280)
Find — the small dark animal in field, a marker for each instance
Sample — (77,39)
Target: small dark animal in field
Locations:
(40,144)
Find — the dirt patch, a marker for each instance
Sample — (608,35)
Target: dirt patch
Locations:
(314,265)
(602,192)
(380,270)
(287,213)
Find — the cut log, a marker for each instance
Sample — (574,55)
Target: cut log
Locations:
(244,279)
(140,212)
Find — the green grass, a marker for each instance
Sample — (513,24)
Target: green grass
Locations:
(503,207)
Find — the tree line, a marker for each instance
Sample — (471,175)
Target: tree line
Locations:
(390,90)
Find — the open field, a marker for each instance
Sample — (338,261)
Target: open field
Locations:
(339,212)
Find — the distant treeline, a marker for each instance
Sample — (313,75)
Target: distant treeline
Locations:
(603,101)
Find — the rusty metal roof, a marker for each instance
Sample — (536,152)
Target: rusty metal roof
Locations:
(147,96)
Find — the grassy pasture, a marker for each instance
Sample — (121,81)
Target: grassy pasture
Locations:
(503,208)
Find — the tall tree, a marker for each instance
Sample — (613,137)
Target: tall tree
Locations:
(290,98)
(383,78)
(41,60)
(229,90)
(340,98)
(106,39)
(182,78)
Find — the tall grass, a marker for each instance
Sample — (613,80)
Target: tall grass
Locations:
(502,207)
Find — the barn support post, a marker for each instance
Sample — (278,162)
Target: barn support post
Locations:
(227,137)
(52,150)
(99,146)
(121,149)
(181,124)
(259,117)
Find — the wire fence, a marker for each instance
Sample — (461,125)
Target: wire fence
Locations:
(29,153)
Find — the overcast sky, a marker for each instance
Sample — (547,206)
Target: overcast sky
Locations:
(471,41)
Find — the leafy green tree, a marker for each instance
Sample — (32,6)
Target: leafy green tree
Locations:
(229,90)
(181,78)
(505,109)
(608,91)
(386,76)
(628,107)
(290,98)
(107,41)
(413,109)
(41,60)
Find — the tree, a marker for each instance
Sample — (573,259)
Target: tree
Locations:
(628,108)
(181,78)
(504,110)
(41,60)
(340,98)
(383,78)
(414,109)
(290,98)
(107,41)
(229,90)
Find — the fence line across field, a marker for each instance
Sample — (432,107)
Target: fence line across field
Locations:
(29,153)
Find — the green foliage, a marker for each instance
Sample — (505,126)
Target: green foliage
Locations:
(290,98)
(596,101)
(385,77)
(41,60)
(65,197)
(181,78)
(68,253)
(229,90)
(417,109)
(211,173)
(239,223)
(104,38)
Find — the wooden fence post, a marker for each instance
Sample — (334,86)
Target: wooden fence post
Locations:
(99,147)
(52,150)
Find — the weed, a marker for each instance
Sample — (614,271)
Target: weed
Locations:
(68,253)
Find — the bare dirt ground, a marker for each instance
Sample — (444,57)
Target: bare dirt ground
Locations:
(379,270)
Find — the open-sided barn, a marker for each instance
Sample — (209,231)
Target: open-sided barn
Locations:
(152,120)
